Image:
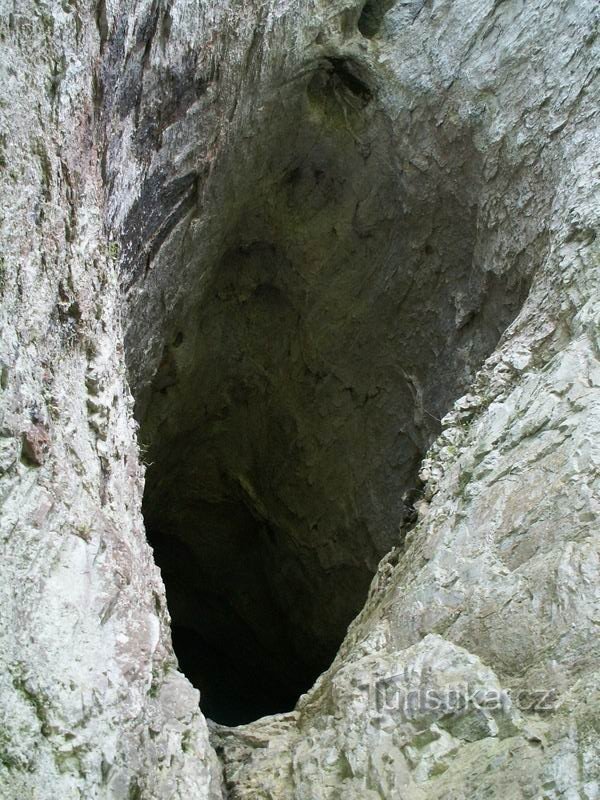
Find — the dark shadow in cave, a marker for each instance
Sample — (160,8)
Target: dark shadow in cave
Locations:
(343,313)
(242,674)
(229,633)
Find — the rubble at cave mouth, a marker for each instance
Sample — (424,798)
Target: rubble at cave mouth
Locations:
(300,384)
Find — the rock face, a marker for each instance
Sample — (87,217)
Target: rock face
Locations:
(344,258)
(91,702)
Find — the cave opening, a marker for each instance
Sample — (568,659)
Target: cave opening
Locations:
(371,17)
(343,301)
(228,631)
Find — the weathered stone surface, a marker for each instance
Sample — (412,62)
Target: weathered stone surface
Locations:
(316,221)
(91,703)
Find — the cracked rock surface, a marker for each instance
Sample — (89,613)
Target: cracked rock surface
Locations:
(339,261)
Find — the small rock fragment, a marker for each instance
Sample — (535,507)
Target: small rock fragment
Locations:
(35,445)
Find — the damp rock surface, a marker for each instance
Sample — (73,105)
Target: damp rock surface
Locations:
(315,288)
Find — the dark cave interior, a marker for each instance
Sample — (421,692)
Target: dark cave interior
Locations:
(343,311)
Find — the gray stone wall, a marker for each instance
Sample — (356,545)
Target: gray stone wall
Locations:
(445,152)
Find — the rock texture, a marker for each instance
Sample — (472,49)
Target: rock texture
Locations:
(340,237)
(91,703)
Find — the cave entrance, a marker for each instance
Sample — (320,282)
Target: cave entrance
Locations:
(231,636)
(342,303)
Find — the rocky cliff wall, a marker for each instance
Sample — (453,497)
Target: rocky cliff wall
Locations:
(91,703)
(319,243)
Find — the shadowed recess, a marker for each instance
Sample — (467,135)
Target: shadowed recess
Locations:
(341,311)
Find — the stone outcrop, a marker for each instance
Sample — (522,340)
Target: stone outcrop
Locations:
(334,266)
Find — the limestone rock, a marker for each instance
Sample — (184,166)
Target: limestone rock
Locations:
(91,704)
(335,266)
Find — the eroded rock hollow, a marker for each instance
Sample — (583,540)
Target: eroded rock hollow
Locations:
(346,304)
(313,283)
